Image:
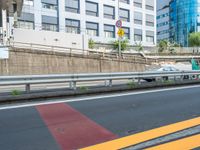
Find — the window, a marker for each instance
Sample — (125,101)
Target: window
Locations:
(137,35)
(149,5)
(149,20)
(150,36)
(92,9)
(49,27)
(26,21)
(25,24)
(126,32)
(124,15)
(28,2)
(125,1)
(138,18)
(49,23)
(49,6)
(138,3)
(92,29)
(72,6)
(109,12)
(109,31)
(72,26)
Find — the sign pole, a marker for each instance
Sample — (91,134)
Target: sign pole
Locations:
(119,36)
(120,47)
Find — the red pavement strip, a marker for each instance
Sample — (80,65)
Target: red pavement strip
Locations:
(71,129)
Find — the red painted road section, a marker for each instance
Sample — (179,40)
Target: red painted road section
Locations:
(71,129)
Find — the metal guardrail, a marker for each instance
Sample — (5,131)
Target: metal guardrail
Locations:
(73,79)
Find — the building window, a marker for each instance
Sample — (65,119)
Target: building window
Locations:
(138,3)
(72,6)
(137,35)
(109,12)
(125,1)
(92,29)
(49,6)
(150,36)
(109,31)
(49,27)
(150,20)
(138,18)
(124,15)
(92,9)
(25,24)
(149,5)
(28,2)
(72,26)
(126,32)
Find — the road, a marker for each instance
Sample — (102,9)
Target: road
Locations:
(76,124)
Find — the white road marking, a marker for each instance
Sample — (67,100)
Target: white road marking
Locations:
(30,104)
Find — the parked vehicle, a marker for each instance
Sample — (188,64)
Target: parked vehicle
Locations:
(163,69)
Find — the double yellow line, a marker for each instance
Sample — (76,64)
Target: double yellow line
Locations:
(189,143)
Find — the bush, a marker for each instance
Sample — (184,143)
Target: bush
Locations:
(91,44)
(131,85)
(83,89)
(15,93)
(124,44)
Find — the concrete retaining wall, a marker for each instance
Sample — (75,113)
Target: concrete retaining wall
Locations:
(27,62)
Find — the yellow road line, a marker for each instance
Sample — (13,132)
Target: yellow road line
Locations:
(144,136)
(183,144)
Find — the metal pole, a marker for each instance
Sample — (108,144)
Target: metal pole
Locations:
(119,37)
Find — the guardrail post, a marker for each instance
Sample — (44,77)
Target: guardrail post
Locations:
(110,83)
(139,81)
(74,85)
(28,88)
(71,85)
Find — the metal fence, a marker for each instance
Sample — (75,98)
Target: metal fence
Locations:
(73,79)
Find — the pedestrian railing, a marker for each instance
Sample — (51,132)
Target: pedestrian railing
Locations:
(73,79)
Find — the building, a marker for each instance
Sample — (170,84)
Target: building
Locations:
(184,19)
(9,11)
(163,20)
(94,18)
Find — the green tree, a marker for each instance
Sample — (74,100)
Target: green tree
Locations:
(124,44)
(91,44)
(139,47)
(162,46)
(194,39)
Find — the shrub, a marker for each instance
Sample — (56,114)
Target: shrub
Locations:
(15,93)
(91,44)
(83,89)
(124,44)
(131,84)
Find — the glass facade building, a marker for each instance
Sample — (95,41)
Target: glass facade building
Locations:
(183,20)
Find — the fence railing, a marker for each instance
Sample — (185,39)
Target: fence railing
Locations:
(135,57)
(73,79)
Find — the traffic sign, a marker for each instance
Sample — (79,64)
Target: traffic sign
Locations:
(119,23)
(120,32)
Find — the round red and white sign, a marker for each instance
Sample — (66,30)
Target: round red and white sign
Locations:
(119,23)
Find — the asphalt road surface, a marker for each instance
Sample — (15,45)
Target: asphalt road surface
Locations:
(79,124)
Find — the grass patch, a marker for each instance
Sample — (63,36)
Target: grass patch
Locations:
(168,82)
(16,93)
(83,89)
(131,85)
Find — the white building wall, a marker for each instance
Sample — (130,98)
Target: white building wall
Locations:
(38,11)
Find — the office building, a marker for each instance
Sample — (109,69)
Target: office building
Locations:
(94,18)
(184,19)
(163,20)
